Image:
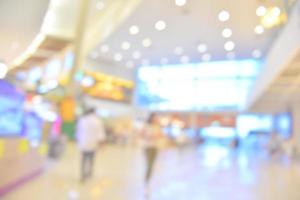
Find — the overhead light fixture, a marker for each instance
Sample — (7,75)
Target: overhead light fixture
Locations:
(206,57)
(104,48)
(230,55)
(178,50)
(125,45)
(129,64)
(184,59)
(180,2)
(3,70)
(202,48)
(147,42)
(164,61)
(160,25)
(259,29)
(261,11)
(133,30)
(100,5)
(224,16)
(227,33)
(273,17)
(256,53)
(136,55)
(118,57)
(229,46)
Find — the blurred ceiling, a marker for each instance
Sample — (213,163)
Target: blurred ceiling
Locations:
(186,27)
(20,22)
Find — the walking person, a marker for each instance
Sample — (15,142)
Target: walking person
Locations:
(90,132)
(151,135)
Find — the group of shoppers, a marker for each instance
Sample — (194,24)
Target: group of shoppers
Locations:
(90,133)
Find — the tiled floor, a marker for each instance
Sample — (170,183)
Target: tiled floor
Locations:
(210,173)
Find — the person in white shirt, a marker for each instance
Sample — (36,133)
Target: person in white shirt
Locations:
(90,132)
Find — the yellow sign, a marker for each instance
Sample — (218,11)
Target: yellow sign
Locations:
(23,146)
(2,146)
(43,149)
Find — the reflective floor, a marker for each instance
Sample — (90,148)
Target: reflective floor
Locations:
(205,173)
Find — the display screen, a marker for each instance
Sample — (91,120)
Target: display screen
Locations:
(218,132)
(283,124)
(11,110)
(250,123)
(204,86)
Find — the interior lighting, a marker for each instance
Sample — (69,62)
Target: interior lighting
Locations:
(229,46)
(147,42)
(118,57)
(202,48)
(227,33)
(180,2)
(133,30)
(224,16)
(261,11)
(87,81)
(3,70)
(259,29)
(273,17)
(160,25)
(125,45)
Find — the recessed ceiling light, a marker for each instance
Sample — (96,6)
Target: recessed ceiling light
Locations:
(259,29)
(104,48)
(184,59)
(256,53)
(100,5)
(129,64)
(202,48)
(180,2)
(178,50)
(276,11)
(206,57)
(136,55)
(261,11)
(227,33)
(230,55)
(164,61)
(145,62)
(118,57)
(94,54)
(3,70)
(229,46)
(125,45)
(133,30)
(160,25)
(147,42)
(224,16)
